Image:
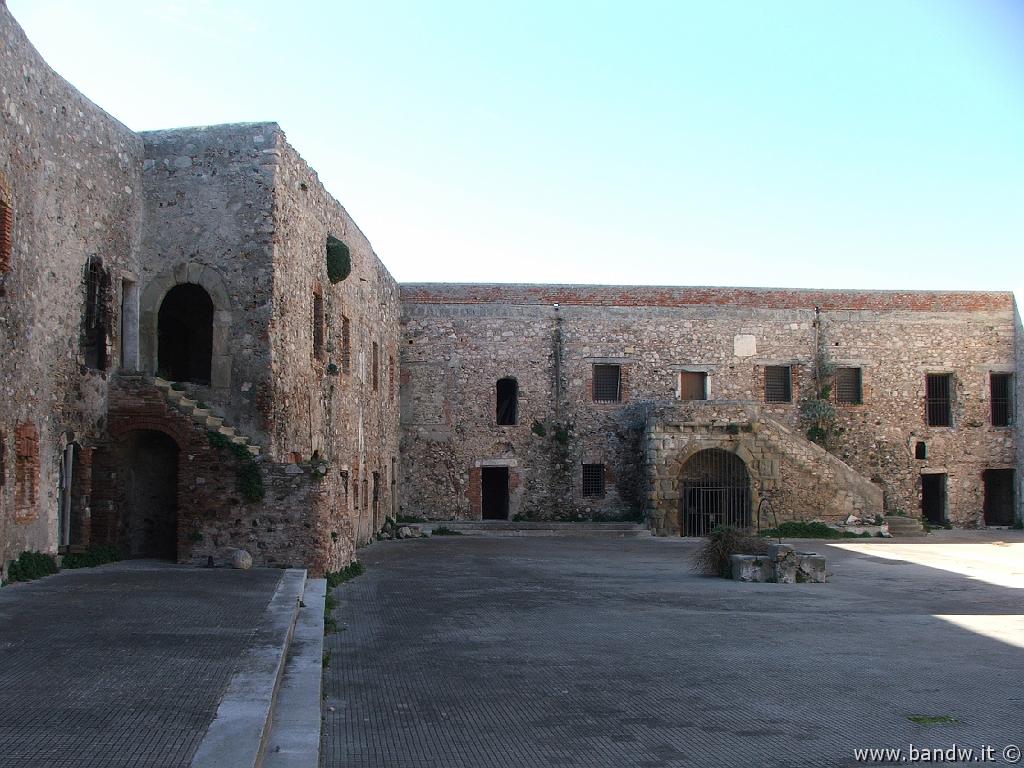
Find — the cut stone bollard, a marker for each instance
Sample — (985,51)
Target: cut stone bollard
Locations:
(811,568)
(750,568)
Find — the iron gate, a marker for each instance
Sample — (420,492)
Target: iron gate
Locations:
(714,490)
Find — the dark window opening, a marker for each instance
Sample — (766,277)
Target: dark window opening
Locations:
(355,489)
(494,493)
(507,409)
(998,496)
(849,386)
(375,361)
(346,345)
(318,324)
(693,385)
(933,498)
(593,480)
(778,384)
(1001,389)
(714,490)
(921,450)
(96,318)
(3,459)
(6,230)
(607,383)
(366,494)
(185,334)
(376,495)
(938,399)
(344,489)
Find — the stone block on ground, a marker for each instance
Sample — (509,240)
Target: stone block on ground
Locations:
(239,558)
(783,563)
(811,567)
(755,568)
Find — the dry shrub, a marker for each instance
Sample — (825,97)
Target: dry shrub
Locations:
(712,558)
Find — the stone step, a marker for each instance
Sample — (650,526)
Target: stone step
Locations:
(253,449)
(511,528)
(226,431)
(214,423)
(161,383)
(200,415)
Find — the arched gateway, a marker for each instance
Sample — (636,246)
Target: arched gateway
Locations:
(714,489)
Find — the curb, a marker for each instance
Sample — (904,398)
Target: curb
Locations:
(235,738)
(293,739)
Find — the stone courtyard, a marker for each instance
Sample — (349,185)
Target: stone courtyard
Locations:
(469,651)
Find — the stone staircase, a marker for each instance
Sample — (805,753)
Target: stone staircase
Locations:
(905,526)
(203,417)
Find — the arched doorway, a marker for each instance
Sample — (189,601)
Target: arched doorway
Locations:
(147,463)
(714,490)
(185,334)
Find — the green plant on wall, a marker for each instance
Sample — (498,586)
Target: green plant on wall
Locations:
(339,260)
(817,413)
(248,478)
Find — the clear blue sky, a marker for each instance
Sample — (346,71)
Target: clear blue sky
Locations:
(806,144)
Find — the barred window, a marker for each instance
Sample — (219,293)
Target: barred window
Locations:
(1001,389)
(346,345)
(6,228)
(693,385)
(593,480)
(849,386)
(318,324)
(938,399)
(607,383)
(778,384)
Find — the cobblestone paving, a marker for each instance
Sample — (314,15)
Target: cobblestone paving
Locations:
(539,652)
(122,665)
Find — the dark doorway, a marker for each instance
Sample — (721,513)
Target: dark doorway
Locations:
(998,496)
(933,498)
(715,490)
(70,520)
(147,467)
(507,395)
(494,493)
(185,334)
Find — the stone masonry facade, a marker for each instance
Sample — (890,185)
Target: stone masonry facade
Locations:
(200,351)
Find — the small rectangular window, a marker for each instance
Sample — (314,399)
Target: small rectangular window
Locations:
(607,383)
(344,489)
(693,385)
(921,450)
(6,228)
(778,384)
(849,386)
(318,324)
(391,378)
(939,400)
(346,345)
(96,318)
(1001,390)
(593,480)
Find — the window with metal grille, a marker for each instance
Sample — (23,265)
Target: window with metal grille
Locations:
(607,383)
(6,228)
(1000,387)
(593,479)
(693,385)
(938,399)
(346,345)
(507,405)
(318,324)
(96,319)
(849,387)
(375,361)
(778,384)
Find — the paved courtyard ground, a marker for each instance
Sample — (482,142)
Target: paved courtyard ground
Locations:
(122,665)
(476,652)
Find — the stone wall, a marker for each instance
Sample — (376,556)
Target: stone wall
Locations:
(461,339)
(70,179)
(335,405)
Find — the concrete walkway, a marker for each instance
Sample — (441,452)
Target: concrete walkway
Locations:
(473,652)
(122,665)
